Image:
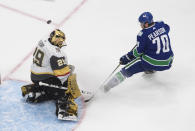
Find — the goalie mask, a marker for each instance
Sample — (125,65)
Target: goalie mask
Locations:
(57,38)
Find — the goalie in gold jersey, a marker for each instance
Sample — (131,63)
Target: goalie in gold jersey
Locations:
(53,78)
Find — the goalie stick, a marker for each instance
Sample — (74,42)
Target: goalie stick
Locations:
(86,94)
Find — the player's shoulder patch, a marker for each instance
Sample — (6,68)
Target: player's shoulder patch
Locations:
(140,33)
(41,43)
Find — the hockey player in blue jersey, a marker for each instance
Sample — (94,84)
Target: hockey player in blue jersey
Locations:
(152,52)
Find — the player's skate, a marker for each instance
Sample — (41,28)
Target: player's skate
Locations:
(66,109)
(150,72)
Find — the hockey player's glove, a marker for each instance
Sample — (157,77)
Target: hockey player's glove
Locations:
(126,59)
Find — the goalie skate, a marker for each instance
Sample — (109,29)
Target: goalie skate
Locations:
(67,116)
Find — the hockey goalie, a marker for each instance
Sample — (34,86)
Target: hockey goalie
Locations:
(53,78)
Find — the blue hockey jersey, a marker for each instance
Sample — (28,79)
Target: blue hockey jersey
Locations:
(153,45)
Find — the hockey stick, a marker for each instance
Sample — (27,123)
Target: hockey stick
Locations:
(84,93)
(110,75)
(54,86)
(101,86)
(92,96)
(115,69)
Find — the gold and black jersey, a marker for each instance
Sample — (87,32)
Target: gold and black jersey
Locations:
(49,61)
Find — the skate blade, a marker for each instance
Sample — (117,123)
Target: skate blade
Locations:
(88,99)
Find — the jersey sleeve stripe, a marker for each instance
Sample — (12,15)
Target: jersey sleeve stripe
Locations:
(136,53)
(132,62)
(62,72)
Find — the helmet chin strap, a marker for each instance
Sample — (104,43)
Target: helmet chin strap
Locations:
(64,44)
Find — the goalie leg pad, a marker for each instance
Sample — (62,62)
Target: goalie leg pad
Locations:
(73,88)
(36,97)
(34,94)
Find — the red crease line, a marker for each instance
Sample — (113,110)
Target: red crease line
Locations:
(71,13)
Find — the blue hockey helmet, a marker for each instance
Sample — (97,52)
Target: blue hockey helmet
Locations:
(146,17)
